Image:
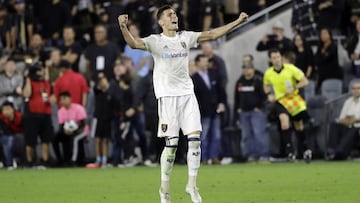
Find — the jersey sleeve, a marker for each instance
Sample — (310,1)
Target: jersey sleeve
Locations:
(298,74)
(192,38)
(150,42)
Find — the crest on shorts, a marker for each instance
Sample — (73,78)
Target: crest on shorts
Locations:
(183,44)
(164,127)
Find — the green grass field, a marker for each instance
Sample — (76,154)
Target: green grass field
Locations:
(337,182)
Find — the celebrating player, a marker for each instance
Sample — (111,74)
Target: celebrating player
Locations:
(178,107)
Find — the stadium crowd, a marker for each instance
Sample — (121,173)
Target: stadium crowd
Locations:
(67,75)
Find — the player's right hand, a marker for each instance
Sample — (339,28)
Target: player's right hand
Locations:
(123,19)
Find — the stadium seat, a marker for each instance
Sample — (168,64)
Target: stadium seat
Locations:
(309,90)
(331,88)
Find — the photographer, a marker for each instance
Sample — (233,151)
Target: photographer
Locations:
(37,113)
(276,40)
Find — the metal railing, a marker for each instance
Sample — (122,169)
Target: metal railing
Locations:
(261,16)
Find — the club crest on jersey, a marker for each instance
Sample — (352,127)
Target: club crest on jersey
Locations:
(183,44)
(164,127)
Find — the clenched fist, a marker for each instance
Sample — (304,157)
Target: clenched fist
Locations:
(243,17)
(123,19)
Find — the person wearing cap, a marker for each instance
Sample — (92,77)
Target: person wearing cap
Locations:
(276,40)
(37,113)
(249,104)
(72,82)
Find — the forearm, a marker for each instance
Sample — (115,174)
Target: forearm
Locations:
(27,88)
(129,39)
(220,31)
(84,99)
(302,83)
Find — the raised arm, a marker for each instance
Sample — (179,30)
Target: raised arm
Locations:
(222,30)
(130,40)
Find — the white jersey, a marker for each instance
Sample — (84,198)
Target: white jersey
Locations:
(171,62)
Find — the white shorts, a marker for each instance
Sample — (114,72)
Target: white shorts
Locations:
(178,112)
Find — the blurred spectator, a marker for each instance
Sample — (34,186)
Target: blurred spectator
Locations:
(344,132)
(303,20)
(37,114)
(5,27)
(215,62)
(327,61)
(354,14)
(11,83)
(212,12)
(192,19)
(70,49)
(138,13)
(123,110)
(329,14)
(103,115)
(22,26)
(138,122)
(276,40)
(251,7)
(100,56)
(51,27)
(72,82)
(304,58)
(141,59)
(353,49)
(11,134)
(249,59)
(147,96)
(115,9)
(73,129)
(207,82)
(249,105)
(84,19)
(53,65)
(35,52)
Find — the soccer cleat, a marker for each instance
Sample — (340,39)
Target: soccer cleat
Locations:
(164,197)
(307,156)
(291,157)
(194,194)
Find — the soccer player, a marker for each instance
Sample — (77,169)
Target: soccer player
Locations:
(286,80)
(178,107)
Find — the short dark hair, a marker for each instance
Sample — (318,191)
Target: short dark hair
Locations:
(250,56)
(199,56)
(65,94)
(161,11)
(7,103)
(273,51)
(290,56)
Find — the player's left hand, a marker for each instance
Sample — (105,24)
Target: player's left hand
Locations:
(243,17)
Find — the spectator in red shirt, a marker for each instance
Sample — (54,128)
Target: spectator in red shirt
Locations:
(72,82)
(37,115)
(11,133)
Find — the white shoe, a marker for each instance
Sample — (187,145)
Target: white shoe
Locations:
(194,194)
(164,197)
(307,155)
(226,161)
(149,163)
